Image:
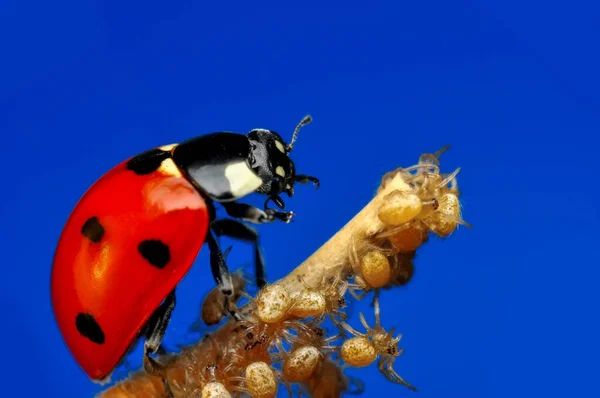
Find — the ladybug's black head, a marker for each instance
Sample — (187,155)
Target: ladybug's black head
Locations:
(271,161)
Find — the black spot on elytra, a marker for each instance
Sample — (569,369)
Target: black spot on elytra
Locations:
(93,230)
(147,162)
(155,252)
(88,327)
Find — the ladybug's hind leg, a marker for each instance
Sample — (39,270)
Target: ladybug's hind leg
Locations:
(156,328)
(222,275)
(236,230)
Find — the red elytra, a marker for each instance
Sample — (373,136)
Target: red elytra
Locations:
(105,274)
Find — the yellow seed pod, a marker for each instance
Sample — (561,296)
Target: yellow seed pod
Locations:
(272,303)
(215,390)
(308,303)
(409,239)
(301,364)
(448,204)
(358,352)
(375,269)
(260,380)
(399,207)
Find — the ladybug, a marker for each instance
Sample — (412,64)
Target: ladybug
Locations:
(136,232)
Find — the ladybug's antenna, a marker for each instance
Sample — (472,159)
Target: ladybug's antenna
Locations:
(307,119)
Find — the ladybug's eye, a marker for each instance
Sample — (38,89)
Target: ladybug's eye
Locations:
(252,158)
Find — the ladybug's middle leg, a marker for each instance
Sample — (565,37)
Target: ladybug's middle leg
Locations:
(156,328)
(236,230)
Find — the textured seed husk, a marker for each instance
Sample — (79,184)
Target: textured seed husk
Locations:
(301,363)
(260,380)
(358,352)
(272,303)
(215,390)
(448,204)
(308,304)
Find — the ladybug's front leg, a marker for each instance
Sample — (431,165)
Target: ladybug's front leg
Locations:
(304,179)
(156,328)
(254,214)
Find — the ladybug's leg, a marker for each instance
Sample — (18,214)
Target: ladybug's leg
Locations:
(254,214)
(304,179)
(221,274)
(156,328)
(236,230)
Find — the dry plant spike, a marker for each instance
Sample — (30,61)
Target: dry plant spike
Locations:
(390,225)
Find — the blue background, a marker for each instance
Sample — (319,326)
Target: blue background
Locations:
(505,309)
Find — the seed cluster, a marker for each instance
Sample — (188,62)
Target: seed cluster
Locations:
(407,218)
(430,205)
(282,342)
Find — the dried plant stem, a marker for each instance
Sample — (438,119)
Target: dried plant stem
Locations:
(333,255)
(328,260)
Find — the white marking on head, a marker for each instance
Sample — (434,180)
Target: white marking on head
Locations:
(280,146)
(280,171)
(242,179)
